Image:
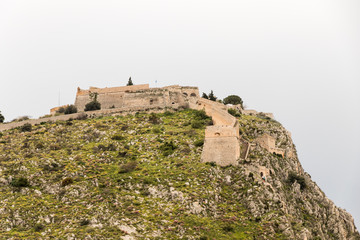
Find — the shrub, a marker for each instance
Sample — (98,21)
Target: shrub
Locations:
(201,115)
(228,228)
(81,116)
(233,112)
(153,118)
(199,143)
(118,137)
(67,181)
(168,148)
(212,96)
(234,100)
(38,227)
(293,177)
(128,167)
(213,164)
(130,83)
(168,113)
(84,222)
(1,118)
(70,109)
(26,127)
(197,124)
(61,110)
(19,182)
(92,106)
(156,130)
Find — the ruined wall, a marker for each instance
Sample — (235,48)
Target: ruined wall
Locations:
(268,142)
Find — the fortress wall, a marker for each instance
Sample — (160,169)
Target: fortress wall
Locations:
(110,100)
(113,89)
(217,111)
(221,131)
(223,151)
(222,144)
(146,98)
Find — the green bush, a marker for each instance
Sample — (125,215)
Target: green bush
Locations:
(38,227)
(168,148)
(84,222)
(293,177)
(19,182)
(26,127)
(70,109)
(128,167)
(201,115)
(197,124)
(92,106)
(2,119)
(67,181)
(233,112)
(118,137)
(61,110)
(199,143)
(153,118)
(234,100)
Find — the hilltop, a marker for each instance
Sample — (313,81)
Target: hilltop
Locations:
(141,177)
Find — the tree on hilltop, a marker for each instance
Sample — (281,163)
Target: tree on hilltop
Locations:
(204,95)
(130,83)
(212,96)
(234,100)
(1,118)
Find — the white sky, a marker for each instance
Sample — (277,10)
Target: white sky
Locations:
(297,59)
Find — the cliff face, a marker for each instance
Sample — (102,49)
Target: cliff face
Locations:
(140,177)
(303,209)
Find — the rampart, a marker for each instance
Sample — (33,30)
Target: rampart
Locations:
(222,144)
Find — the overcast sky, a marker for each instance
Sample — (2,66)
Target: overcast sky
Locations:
(297,59)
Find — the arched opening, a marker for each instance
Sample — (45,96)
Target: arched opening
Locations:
(261,174)
(151,101)
(185,94)
(193,95)
(217,134)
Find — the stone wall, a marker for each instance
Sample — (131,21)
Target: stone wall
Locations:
(221,144)
(138,95)
(268,142)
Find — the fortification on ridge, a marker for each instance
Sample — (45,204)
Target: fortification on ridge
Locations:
(223,144)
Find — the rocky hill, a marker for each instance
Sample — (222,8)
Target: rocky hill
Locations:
(140,177)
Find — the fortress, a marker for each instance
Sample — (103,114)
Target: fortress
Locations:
(222,144)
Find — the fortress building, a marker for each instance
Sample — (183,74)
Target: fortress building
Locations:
(139,96)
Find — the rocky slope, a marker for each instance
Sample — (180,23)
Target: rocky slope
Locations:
(140,177)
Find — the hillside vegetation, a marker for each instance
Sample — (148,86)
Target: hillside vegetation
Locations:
(140,177)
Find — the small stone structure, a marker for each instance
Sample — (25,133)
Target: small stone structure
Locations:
(268,142)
